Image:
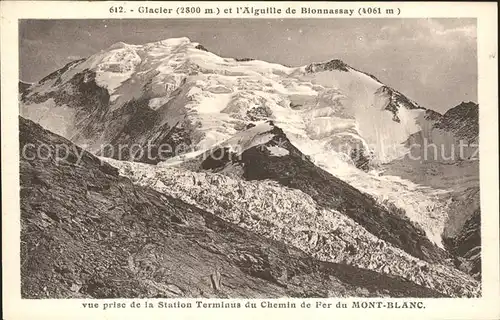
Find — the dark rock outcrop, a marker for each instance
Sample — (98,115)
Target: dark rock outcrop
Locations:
(462,121)
(331,65)
(466,246)
(396,101)
(200,47)
(244,59)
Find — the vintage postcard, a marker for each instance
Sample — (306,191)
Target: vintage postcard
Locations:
(198,160)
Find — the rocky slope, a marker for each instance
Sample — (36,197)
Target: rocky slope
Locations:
(86,232)
(462,120)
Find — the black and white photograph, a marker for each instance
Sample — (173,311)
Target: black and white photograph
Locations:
(249,158)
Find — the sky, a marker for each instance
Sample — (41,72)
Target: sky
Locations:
(432,61)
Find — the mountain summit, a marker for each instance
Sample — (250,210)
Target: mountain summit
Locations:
(175,91)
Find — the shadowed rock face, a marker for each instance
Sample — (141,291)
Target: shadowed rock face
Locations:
(294,170)
(113,133)
(467,246)
(462,121)
(87,232)
(83,96)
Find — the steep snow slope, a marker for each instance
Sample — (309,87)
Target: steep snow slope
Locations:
(365,98)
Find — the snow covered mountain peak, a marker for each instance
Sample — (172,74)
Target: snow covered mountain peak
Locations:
(166,44)
(326,129)
(326,105)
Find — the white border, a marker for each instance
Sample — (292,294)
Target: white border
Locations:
(486,307)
